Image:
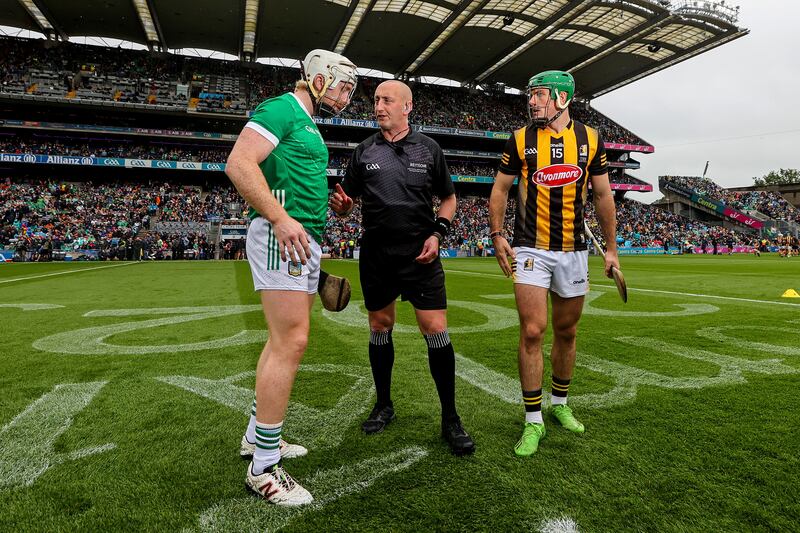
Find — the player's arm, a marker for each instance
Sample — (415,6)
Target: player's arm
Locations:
(498,200)
(604,204)
(242,168)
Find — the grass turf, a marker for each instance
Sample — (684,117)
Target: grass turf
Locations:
(696,449)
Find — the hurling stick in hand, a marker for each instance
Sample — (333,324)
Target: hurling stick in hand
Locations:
(619,279)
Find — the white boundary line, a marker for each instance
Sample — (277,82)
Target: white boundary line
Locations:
(674,293)
(66,272)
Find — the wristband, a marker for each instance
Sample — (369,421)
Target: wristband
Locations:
(442,227)
(494,234)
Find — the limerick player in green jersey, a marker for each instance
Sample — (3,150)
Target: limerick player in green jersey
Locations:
(278,165)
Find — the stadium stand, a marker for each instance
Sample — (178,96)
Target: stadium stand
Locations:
(768,203)
(77,72)
(157,220)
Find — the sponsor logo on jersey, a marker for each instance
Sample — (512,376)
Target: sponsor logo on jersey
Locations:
(557,175)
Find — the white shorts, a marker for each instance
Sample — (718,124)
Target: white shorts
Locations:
(269,271)
(564,273)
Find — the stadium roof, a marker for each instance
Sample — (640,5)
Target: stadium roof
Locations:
(604,43)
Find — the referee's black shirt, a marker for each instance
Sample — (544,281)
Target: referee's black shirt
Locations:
(396,182)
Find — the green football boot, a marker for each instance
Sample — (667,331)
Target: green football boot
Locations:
(529,442)
(564,415)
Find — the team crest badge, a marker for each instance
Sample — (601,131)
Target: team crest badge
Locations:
(295,269)
(528,266)
(584,151)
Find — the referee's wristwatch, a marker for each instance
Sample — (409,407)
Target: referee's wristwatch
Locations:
(441,228)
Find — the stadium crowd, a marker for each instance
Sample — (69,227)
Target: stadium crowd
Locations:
(769,203)
(116,219)
(644,225)
(92,72)
(116,147)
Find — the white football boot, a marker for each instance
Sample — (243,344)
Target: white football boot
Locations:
(276,486)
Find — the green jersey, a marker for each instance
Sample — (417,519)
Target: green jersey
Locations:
(296,169)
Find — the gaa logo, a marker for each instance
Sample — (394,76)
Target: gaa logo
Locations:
(373,166)
(557,175)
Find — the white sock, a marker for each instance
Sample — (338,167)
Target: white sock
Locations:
(534,416)
(250,434)
(558,400)
(268,451)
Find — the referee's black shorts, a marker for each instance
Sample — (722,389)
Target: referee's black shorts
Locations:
(388,272)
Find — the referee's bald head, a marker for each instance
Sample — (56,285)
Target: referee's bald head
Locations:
(393,103)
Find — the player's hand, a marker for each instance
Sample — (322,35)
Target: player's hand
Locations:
(340,202)
(292,238)
(429,250)
(612,260)
(505,254)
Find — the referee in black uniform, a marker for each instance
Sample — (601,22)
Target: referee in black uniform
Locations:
(395,172)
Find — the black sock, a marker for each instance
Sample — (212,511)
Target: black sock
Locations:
(442,362)
(381,359)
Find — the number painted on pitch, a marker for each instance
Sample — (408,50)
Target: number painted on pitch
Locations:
(497,317)
(315,428)
(27,441)
(92,341)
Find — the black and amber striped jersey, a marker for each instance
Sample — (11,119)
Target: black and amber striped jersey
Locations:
(554,172)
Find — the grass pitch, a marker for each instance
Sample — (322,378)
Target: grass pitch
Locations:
(124,391)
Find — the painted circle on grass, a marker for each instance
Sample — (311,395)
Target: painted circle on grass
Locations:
(497,317)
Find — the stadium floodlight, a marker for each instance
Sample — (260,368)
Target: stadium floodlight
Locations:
(508,20)
(619,279)
(653,47)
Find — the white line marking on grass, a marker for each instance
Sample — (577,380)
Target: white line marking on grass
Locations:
(254,514)
(628,378)
(729,298)
(732,364)
(481,274)
(76,271)
(315,428)
(716,334)
(589,309)
(496,317)
(563,524)
(675,293)
(493,383)
(32,307)
(91,341)
(27,441)
(688,309)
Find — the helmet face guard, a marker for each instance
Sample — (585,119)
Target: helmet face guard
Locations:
(334,68)
(556,82)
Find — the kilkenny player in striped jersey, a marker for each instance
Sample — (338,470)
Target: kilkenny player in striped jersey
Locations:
(555,157)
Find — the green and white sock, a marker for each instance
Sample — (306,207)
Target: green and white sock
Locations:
(268,451)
